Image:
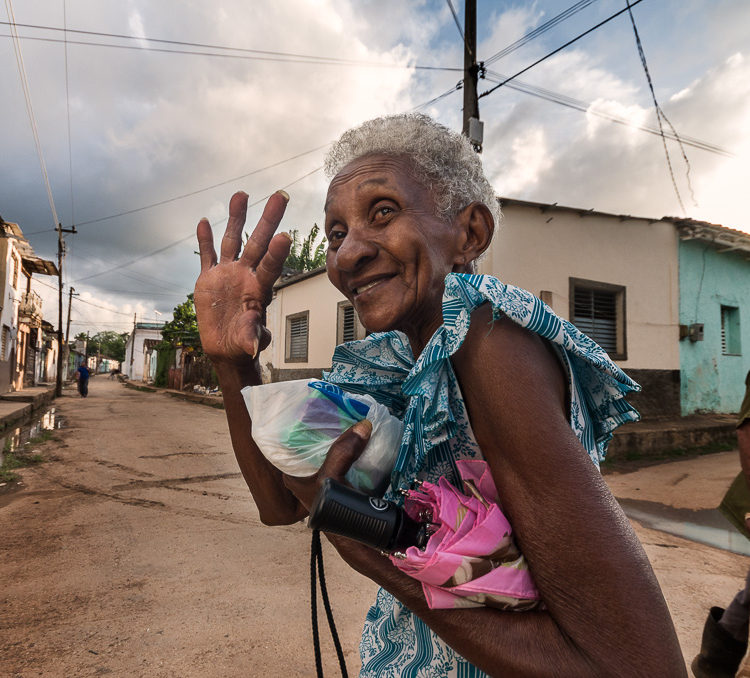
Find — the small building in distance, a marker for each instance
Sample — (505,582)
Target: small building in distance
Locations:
(140,356)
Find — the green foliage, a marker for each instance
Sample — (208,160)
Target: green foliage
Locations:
(165,356)
(182,330)
(108,344)
(305,255)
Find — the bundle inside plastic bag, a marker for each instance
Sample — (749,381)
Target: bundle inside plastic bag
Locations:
(295,423)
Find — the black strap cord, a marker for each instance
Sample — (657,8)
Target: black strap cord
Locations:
(316,572)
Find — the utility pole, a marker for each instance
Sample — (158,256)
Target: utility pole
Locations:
(473,127)
(60,345)
(70,304)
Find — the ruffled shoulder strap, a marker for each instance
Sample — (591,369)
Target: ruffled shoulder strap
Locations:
(599,384)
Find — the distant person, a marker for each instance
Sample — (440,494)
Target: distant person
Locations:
(725,633)
(82,376)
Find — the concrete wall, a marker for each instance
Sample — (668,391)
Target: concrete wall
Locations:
(542,249)
(712,381)
(136,365)
(317,295)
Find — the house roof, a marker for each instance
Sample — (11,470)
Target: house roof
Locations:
(30,261)
(291,278)
(723,238)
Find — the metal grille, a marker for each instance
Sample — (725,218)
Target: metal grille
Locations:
(595,314)
(298,338)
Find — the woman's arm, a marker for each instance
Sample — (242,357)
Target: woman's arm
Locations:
(605,613)
(231,295)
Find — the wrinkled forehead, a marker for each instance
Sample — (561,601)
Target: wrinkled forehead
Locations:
(372,170)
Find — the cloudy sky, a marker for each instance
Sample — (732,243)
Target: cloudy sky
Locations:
(145,133)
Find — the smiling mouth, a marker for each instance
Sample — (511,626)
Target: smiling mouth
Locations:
(368,286)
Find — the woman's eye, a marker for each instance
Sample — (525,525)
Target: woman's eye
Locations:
(336,234)
(384,211)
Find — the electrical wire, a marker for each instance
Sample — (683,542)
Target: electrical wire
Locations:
(29,108)
(553,52)
(460,30)
(661,116)
(203,190)
(582,106)
(191,235)
(67,109)
(531,35)
(245,53)
(455,88)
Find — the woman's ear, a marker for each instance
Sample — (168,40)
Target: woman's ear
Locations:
(475,226)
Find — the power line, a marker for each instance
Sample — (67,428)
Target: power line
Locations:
(245,53)
(577,7)
(458,26)
(661,116)
(567,44)
(455,88)
(67,109)
(188,237)
(582,106)
(202,190)
(29,108)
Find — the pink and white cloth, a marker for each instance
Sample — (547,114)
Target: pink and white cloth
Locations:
(471,559)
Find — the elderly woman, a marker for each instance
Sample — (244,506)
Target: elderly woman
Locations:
(476,369)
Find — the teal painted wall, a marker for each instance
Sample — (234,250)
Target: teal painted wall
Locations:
(709,380)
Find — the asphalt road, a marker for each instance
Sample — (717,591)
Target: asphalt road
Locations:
(136,550)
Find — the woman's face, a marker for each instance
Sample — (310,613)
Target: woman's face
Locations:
(388,252)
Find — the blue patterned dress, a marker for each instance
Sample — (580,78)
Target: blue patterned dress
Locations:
(425,393)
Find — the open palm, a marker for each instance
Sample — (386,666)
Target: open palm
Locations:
(231,293)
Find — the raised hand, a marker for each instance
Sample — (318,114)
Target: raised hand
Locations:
(231,294)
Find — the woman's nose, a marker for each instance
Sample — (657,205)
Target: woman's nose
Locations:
(355,250)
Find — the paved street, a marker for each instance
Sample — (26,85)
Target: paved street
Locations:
(135,550)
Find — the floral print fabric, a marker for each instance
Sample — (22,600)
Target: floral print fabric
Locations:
(437,433)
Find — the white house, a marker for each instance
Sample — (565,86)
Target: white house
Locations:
(140,359)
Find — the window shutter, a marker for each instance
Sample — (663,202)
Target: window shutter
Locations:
(595,314)
(298,338)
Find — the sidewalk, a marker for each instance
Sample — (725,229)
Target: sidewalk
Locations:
(16,406)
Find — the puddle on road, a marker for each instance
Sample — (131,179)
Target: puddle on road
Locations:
(706,526)
(16,438)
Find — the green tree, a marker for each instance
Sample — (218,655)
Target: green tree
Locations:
(305,255)
(182,330)
(108,344)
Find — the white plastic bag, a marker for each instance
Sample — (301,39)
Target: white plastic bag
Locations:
(295,423)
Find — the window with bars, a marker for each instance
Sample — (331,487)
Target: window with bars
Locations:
(4,345)
(348,326)
(598,310)
(730,330)
(296,337)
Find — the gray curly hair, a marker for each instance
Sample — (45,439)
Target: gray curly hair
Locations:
(441,159)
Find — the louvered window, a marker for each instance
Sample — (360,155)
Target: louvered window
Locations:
(730,330)
(296,337)
(348,326)
(598,310)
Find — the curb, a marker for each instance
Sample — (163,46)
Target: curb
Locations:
(27,404)
(215,401)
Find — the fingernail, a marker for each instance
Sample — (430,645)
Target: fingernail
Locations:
(287,236)
(363,429)
(283,194)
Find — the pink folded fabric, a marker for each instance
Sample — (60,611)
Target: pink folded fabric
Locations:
(471,559)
